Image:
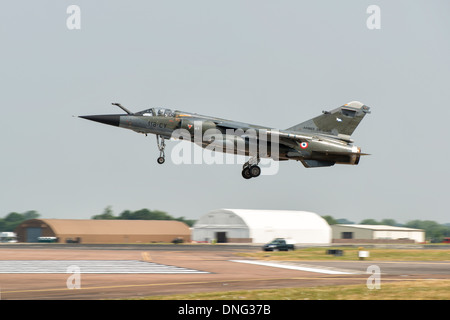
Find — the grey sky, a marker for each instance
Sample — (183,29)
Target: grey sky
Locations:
(274,63)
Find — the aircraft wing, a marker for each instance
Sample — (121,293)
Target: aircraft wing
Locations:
(340,153)
(243,130)
(232,125)
(288,139)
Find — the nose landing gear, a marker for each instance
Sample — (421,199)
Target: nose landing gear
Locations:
(161,145)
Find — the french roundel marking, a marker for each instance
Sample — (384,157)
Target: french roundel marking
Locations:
(304,145)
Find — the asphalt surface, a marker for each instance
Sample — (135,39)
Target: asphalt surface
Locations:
(112,271)
(143,247)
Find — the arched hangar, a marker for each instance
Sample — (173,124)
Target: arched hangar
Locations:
(261,226)
(103,231)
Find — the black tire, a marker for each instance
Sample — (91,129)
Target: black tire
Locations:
(246,173)
(160,160)
(255,171)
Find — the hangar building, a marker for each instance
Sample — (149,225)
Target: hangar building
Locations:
(103,231)
(261,226)
(353,233)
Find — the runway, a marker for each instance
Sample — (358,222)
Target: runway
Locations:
(41,272)
(90,266)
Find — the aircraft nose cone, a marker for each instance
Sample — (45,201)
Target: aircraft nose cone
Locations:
(111,119)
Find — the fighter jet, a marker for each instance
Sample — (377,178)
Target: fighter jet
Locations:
(319,142)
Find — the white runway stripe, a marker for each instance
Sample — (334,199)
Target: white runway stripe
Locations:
(292,267)
(90,266)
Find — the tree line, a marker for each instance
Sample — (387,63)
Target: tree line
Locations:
(142,214)
(13,219)
(434,232)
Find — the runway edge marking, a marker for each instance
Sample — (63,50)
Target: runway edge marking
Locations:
(291,267)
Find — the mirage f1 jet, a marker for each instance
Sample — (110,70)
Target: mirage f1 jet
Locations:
(320,142)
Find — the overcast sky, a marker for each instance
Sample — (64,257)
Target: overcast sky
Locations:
(272,63)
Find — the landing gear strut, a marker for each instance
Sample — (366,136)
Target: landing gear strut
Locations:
(161,145)
(250,169)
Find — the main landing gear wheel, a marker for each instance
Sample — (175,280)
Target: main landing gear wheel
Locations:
(251,172)
(255,171)
(251,169)
(246,173)
(161,146)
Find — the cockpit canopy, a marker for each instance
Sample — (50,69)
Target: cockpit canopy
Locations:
(154,112)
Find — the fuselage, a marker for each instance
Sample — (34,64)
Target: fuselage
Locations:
(319,142)
(235,137)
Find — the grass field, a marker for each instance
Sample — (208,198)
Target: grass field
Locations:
(402,290)
(351,253)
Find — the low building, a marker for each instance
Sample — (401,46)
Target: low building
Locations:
(102,231)
(261,226)
(361,233)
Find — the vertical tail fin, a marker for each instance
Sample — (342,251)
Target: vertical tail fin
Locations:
(341,121)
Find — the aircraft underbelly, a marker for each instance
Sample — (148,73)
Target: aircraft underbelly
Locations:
(248,147)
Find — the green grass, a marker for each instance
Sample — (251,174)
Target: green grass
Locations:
(402,290)
(351,253)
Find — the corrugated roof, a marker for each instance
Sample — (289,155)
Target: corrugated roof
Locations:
(378,227)
(78,226)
